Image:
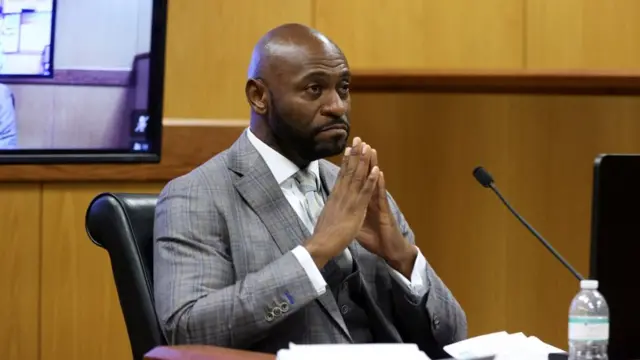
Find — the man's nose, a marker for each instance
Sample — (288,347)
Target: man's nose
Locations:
(336,106)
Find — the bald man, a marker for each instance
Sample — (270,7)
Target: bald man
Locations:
(267,243)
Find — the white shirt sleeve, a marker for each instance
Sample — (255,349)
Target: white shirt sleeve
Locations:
(309,266)
(418,282)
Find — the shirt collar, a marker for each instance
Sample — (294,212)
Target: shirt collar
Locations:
(281,167)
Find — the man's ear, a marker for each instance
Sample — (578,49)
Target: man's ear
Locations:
(257,95)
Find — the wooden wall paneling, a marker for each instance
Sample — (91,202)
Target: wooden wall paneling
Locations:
(419,34)
(20,211)
(428,146)
(583,34)
(552,147)
(209,48)
(526,183)
(81,315)
(547,82)
(540,150)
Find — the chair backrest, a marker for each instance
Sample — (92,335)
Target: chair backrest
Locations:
(123,225)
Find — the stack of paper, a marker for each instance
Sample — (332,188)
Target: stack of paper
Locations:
(497,346)
(503,346)
(352,351)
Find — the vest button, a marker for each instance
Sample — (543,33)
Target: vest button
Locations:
(344,309)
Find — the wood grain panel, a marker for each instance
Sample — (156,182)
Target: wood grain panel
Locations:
(583,34)
(20,211)
(425,34)
(552,148)
(81,316)
(209,48)
(185,145)
(548,82)
(541,150)
(428,146)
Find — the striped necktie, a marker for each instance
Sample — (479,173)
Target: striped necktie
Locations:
(308,185)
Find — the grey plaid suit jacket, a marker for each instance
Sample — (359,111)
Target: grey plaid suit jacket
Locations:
(222,263)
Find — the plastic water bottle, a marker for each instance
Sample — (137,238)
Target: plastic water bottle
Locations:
(588,324)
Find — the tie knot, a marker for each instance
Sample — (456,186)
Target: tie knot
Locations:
(306,180)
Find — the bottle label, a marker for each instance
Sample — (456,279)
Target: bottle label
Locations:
(588,328)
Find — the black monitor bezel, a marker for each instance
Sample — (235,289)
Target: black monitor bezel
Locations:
(619,343)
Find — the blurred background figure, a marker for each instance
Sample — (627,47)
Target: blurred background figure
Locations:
(8,128)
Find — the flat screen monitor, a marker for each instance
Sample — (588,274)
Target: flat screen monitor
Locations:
(615,247)
(81,81)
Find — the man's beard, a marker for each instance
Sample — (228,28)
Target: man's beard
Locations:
(305,145)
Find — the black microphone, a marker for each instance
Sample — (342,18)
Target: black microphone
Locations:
(485,179)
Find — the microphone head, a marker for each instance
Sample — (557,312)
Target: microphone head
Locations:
(484,178)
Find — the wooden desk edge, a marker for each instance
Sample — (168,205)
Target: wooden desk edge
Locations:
(202,352)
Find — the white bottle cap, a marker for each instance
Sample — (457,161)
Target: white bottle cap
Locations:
(589,284)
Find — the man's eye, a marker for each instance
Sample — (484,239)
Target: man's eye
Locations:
(314,89)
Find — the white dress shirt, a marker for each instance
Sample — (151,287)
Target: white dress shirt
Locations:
(283,170)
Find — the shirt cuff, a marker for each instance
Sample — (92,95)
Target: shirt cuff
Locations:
(417,285)
(309,266)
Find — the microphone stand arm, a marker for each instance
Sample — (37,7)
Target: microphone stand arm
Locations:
(536,234)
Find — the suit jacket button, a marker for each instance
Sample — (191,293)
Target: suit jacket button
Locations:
(436,321)
(269,316)
(277,311)
(284,307)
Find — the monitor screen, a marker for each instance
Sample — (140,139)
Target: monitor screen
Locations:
(615,247)
(81,80)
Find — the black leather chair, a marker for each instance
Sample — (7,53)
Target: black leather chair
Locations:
(123,225)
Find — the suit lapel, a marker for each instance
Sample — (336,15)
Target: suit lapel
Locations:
(259,188)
